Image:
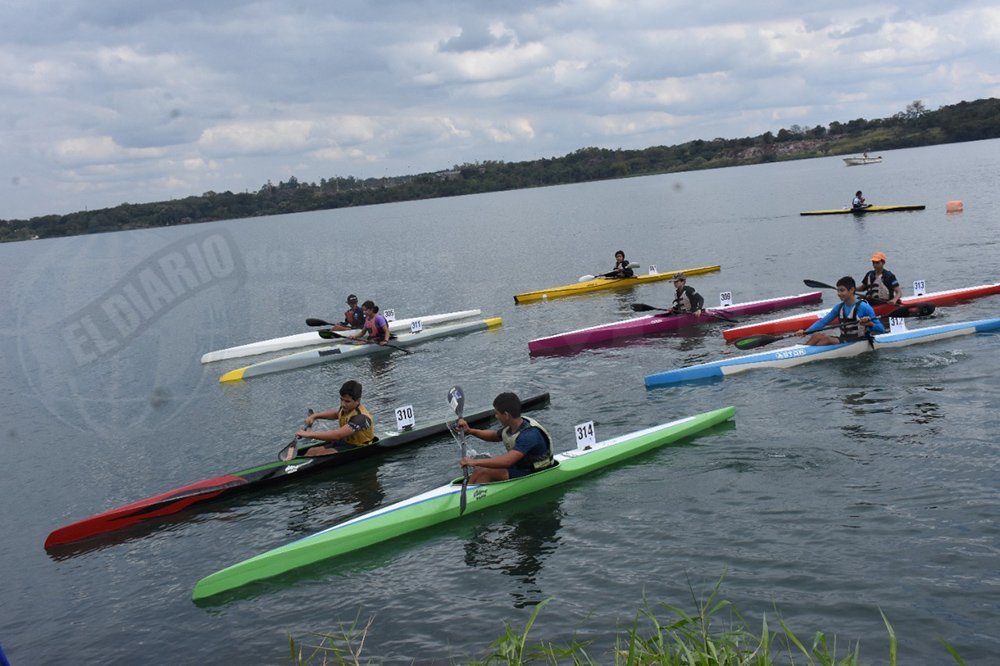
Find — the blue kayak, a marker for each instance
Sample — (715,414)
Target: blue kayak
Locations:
(787,357)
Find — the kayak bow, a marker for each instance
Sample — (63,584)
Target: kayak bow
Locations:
(442,504)
(267,474)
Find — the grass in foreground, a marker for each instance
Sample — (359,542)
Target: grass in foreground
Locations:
(699,639)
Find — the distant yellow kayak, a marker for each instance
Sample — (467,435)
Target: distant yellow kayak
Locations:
(866,210)
(600,283)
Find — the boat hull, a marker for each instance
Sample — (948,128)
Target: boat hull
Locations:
(864,211)
(660,323)
(787,357)
(599,284)
(313,338)
(332,353)
(803,321)
(860,161)
(260,476)
(442,504)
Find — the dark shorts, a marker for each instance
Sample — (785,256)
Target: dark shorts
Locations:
(517,472)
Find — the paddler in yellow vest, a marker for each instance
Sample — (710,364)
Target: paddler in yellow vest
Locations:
(529,446)
(356,425)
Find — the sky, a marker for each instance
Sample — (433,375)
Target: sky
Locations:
(104,102)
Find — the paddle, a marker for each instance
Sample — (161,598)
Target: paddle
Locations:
(329,335)
(754,341)
(456,398)
(586,278)
(291,449)
(642,307)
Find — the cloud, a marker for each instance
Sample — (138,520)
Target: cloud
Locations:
(114,101)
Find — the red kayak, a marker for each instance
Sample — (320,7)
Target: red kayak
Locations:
(801,321)
(659,323)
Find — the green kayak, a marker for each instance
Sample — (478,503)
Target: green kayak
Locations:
(442,504)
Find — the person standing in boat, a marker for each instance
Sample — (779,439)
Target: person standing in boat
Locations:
(879,283)
(686,299)
(859,201)
(376,327)
(529,446)
(621,269)
(857,318)
(355,426)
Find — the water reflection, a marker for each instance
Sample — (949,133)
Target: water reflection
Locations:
(337,499)
(518,547)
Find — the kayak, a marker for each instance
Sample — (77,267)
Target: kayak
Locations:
(659,323)
(341,352)
(864,211)
(787,357)
(599,283)
(266,474)
(313,338)
(442,504)
(802,321)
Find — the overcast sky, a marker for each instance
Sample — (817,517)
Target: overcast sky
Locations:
(111,101)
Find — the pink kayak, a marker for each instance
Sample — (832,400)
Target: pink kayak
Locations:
(658,323)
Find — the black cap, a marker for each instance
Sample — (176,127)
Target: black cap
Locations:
(680,277)
(352,299)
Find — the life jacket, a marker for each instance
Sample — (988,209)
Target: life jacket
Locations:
(849,328)
(361,437)
(354,318)
(532,463)
(683,301)
(375,330)
(879,286)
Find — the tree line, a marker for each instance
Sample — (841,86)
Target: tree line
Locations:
(914,126)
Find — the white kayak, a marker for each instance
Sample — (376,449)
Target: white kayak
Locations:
(787,357)
(357,348)
(312,338)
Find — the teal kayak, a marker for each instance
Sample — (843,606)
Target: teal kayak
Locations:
(442,504)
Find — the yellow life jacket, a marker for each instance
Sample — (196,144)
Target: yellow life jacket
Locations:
(361,437)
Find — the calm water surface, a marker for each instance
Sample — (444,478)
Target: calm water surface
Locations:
(843,487)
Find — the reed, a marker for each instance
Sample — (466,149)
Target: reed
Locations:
(714,634)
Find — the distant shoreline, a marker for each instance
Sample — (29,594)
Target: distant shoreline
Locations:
(915,127)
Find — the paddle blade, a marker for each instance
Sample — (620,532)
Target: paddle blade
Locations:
(818,285)
(642,307)
(917,310)
(585,278)
(312,321)
(456,398)
(754,341)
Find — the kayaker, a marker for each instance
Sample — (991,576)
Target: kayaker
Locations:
(859,201)
(857,318)
(621,269)
(879,283)
(357,428)
(529,446)
(354,316)
(376,327)
(686,299)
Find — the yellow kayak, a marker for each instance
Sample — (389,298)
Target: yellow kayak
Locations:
(600,283)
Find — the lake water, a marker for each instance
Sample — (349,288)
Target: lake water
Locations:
(844,487)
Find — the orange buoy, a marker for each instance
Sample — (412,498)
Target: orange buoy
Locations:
(954,206)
